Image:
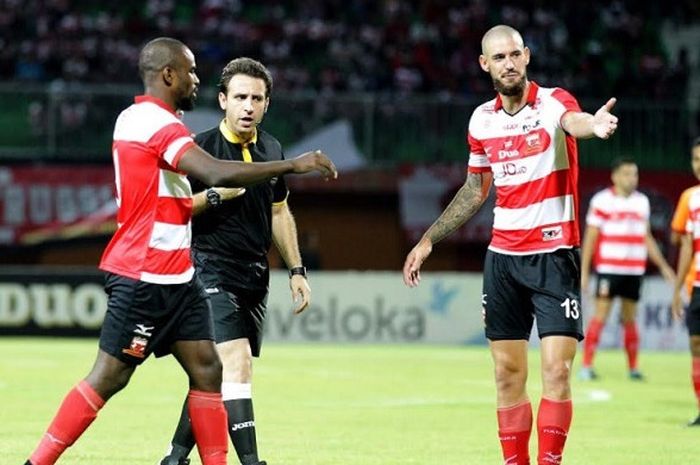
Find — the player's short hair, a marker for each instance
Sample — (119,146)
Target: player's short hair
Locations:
(249,67)
(621,161)
(158,54)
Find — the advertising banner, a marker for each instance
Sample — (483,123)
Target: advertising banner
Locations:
(347,307)
(38,203)
(376,307)
(38,301)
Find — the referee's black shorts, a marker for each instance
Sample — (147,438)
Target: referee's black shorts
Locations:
(238,313)
(144,318)
(521,288)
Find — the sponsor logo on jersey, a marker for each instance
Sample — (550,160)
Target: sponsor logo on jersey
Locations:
(509,169)
(527,127)
(502,154)
(552,234)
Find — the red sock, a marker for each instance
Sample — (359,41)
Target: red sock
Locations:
(553,421)
(696,378)
(514,426)
(78,410)
(209,425)
(631,344)
(590,343)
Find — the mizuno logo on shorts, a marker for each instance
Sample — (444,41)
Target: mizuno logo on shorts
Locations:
(212,290)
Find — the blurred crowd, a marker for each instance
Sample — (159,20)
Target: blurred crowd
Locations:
(331,46)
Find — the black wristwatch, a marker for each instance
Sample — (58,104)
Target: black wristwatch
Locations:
(300,270)
(213,197)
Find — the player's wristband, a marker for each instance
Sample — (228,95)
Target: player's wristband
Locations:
(300,270)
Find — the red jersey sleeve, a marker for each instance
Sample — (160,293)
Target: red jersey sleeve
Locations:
(478,160)
(171,142)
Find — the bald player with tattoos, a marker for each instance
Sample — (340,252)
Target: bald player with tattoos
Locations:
(524,142)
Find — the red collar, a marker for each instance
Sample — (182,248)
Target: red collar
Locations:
(156,100)
(531,97)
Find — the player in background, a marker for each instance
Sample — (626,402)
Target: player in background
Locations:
(618,239)
(679,222)
(689,261)
(231,236)
(525,141)
(156,302)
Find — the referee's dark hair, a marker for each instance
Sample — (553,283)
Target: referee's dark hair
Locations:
(620,161)
(249,67)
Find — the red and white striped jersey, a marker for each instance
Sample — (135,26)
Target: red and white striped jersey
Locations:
(622,223)
(152,241)
(692,197)
(535,171)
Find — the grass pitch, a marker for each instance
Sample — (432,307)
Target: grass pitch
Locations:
(363,405)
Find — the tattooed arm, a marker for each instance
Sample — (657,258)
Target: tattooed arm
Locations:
(463,206)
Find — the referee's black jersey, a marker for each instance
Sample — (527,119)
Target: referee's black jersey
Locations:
(231,241)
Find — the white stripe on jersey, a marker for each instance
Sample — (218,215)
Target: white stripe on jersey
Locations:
(529,169)
(616,250)
(629,228)
(693,223)
(529,252)
(166,236)
(141,121)
(172,184)
(621,270)
(168,278)
(174,148)
(550,211)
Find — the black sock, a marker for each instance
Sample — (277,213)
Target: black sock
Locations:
(241,428)
(183,439)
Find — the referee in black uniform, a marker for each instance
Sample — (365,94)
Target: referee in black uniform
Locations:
(232,231)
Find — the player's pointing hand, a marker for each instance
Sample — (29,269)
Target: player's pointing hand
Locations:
(604,122)
(315,161)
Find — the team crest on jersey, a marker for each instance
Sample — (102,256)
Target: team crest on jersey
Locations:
(137,347)
(552,234)
(532,140)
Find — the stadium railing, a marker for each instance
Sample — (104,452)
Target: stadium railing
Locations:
(73,123)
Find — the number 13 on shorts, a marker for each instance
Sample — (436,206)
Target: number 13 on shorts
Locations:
(571,308)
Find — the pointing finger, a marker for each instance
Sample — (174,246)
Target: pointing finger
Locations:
(610,104)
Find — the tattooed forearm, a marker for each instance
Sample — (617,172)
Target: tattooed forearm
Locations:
(463,206)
